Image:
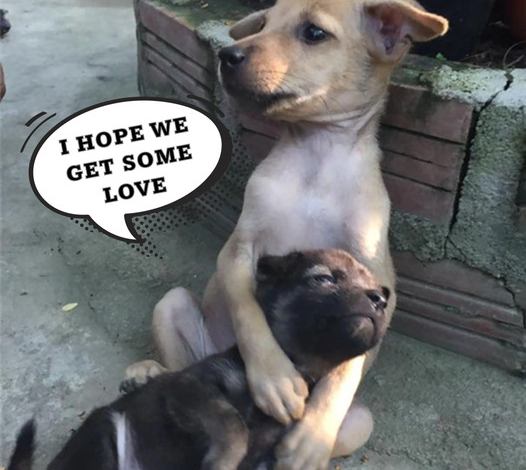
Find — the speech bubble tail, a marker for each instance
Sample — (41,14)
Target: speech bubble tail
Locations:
(117,227)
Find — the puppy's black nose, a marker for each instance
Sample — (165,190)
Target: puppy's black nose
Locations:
(231,57)
(378,299)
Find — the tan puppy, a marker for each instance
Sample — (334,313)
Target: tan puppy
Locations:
(322,66)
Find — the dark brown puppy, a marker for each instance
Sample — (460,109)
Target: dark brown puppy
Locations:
(323,308)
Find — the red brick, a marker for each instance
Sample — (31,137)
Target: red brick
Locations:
(435,151)
(469,304)
(419,199)
(424,172)
(194,70)
(416,109)
(461,341)
(187,82)
(453,275)
(444,314)
(155,83)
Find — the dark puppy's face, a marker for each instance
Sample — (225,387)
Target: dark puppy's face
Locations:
(322,306)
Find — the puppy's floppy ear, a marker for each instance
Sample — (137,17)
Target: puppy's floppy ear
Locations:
(392,26)
(276,268)
(249,25)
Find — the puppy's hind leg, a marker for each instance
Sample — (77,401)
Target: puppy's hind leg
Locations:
(354,432)
(228,437)
(180,335)
(179,330)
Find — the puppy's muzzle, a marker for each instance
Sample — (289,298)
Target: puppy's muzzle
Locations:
(252,91)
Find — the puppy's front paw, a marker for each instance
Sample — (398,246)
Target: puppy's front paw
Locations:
(277,388)
(308,446)
(139,373)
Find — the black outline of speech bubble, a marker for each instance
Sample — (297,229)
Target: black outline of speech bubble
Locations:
(219,170)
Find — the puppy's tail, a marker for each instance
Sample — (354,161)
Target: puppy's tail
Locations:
(22,458)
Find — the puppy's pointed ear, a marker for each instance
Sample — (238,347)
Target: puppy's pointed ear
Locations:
(276,268)
(392,26)
(249,25)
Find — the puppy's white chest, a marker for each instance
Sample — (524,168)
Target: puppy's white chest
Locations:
(295,215)
(318,207)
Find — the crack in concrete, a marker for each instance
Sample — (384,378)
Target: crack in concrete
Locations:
(509,78)
(446,251)
(503,279)
(463,173)
(465,164)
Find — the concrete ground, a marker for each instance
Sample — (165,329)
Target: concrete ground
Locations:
(434,410)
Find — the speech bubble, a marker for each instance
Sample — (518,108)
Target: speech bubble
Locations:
(128,157)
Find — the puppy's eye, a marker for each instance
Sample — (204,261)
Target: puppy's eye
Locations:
(311,34)
(324,279)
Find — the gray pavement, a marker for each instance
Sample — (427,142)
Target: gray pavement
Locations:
(434,410)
